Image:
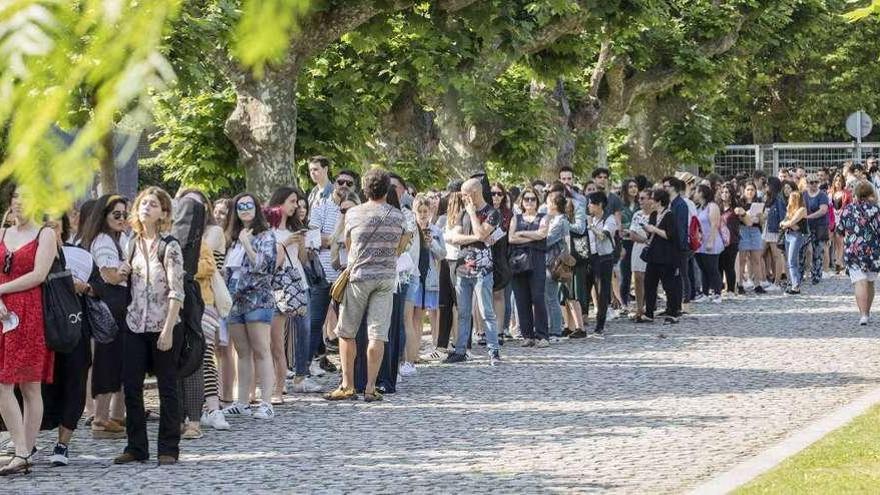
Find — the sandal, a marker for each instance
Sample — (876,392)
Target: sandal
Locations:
(24,467)
(376,396)
(276,401)
(341,393)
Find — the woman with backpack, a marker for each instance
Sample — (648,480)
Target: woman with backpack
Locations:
(150,343)
(711,244)
(25,360)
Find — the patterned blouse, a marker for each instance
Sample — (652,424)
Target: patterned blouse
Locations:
(250,284)
(859,224)
(153,285)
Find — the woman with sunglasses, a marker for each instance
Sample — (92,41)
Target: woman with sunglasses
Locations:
(103,235)
(151,343)
(290,235)
(25,362)
(817,204)
(250,262)
(527,234)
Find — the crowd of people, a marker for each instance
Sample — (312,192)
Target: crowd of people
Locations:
(234,304)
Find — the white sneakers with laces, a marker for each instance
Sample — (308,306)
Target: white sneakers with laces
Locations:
(863,321)
(215,419)
(407,369)
(315,368)
(238,409)
(264,411)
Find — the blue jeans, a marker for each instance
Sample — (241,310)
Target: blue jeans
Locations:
(319,303)
(794,242)
(465,288)
(300,330)
(554,310)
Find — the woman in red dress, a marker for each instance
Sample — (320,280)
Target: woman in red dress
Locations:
(26,255)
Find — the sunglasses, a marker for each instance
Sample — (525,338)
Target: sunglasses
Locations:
(343,182)
(247,205)
(529,199)
(118,215)
(813,182)
(498,194)
(7,262)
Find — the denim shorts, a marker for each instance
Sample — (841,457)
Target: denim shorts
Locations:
(255,316)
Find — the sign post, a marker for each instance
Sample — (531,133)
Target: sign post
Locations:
(858,125)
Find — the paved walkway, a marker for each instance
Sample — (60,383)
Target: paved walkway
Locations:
(651,409)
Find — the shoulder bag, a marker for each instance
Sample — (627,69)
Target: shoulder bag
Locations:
(337,290)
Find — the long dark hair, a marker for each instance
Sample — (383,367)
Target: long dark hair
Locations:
(85,211)
(96,221)
(734,197)
(774,189)
(628,200)
(209,208)
(279,197)
(235,225)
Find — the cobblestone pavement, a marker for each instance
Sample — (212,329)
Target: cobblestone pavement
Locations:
(652,408)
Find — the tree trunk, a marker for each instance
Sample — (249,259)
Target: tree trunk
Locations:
(463,146)
(263,128)
(108,182)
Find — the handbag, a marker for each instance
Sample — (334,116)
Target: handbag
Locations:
(314,271)
(520,261)
(103,325)
(222,298)
(562,268)
(337,290)
(62,310)
(289,291)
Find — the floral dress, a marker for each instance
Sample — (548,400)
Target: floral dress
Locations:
(250,284)
(859,224)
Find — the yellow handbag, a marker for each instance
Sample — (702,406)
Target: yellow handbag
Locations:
(337,290)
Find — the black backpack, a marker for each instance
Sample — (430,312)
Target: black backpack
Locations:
(192,347)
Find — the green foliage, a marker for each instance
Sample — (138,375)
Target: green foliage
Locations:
(192,147)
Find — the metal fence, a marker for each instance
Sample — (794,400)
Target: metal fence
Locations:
(770,158)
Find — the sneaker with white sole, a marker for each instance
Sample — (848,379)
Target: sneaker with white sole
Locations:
(863,321)
(238,409)
(215,419)
(315,368)
(772,288)
(407,369)
(436,355)
(701,299)
(748,285)
(716,299)
(264,411)
(60,456)
(307,386)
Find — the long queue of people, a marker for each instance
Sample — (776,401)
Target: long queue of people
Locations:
(236,304)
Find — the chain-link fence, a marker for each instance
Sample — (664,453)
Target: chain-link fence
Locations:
(770,158)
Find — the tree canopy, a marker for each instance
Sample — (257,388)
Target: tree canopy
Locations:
(236,91)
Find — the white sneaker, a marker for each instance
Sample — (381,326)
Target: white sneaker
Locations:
(700,299)
(307,386)
(264,411)
(716,299)
(215,419)
(315,368)
(772,288)
(863,321)
(437,355)
(748,285)
(290,374)
(612,314)
(408,369)
(238,409)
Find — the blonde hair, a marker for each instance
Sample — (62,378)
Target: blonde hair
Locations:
(454,208)
(795,203)
(164,201)
(422,199)
(863,190)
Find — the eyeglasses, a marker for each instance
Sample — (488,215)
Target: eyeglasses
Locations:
(118,215)
(245,206)
(530,199)
(343,182)
(813,182)
(498,194)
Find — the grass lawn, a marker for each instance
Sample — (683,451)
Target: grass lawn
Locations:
(846,461)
